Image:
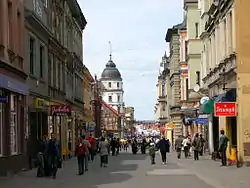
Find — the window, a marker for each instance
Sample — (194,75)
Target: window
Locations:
(163,89)
(119,109)
(31,58)
(110,98)
(187,89)
(118,84)
(41,61)
(45,3)
(10,30)
(118,98)
(198,77)
(1,128)
(13,125)
(109,84)
(196,29)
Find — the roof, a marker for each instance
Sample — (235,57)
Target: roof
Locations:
(175,28)
(111,72)
(109,107)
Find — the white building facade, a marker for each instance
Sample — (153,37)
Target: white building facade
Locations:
(112,92)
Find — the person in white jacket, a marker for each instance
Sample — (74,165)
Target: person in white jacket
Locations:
(186,146)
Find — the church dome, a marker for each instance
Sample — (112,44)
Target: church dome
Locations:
(111,72)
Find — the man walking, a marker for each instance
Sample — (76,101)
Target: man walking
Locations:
(163,145)
(178,146)
(223,147)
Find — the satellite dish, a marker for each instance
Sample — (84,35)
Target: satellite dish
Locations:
(204,100)
(196,88)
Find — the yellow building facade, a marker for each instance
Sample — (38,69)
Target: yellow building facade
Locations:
(242,45)
(87,92)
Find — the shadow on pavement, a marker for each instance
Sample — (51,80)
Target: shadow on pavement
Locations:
(118,171)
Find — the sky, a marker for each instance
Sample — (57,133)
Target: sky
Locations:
(137,30)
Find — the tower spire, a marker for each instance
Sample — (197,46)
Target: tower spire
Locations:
(110,50)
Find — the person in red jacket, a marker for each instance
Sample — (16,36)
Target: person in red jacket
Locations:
(80,152)
(92,150)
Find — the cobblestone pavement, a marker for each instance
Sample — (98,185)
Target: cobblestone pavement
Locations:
(134,171)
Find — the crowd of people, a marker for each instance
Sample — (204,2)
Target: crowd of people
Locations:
(49,155)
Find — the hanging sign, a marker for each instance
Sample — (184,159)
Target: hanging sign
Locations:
(226,109)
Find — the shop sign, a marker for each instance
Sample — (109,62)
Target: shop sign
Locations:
(227,109)
(61,110)
(201,121)
(3,99)
(39,103)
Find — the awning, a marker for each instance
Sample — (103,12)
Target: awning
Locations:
(208,108)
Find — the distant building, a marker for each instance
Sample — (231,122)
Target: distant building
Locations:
(110,120)
(112,89)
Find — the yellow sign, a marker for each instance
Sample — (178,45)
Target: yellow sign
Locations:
(39,103)
(92,124)
(171,125)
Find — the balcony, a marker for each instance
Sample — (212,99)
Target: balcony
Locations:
(162,98)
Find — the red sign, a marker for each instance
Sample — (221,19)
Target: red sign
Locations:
(61,110)
(227,109)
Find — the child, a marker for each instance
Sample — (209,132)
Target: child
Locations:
(152,150)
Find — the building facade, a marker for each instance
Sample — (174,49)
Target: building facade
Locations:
(173,38)
(110,121)
(162,108)
(219,67)
(37,35)
(112,90)
(129,120)
(66,70)
(240,44)
(88,107)
(96,101)
(13,88)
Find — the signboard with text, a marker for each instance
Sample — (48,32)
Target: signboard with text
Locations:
(61,110)
(226,109)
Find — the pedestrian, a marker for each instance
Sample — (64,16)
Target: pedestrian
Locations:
(152,150)
(223,147)
(80,153)
(93,148)
(202,144)
(118,146)
(54,155)
(163,145)
(103,145)
(196,146)
(178,146)
(185,144)
(87,155)
(113,146)
(134,146)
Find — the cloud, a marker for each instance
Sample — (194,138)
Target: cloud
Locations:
(137,30)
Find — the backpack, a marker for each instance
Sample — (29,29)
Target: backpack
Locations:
(82,150)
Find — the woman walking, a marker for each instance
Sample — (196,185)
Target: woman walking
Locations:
(104,151)
(80,153)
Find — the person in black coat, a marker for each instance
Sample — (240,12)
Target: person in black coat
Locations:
(163,145)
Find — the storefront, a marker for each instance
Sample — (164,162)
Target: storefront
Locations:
(59,120)
(13,118)
(38,117)
(222,119)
